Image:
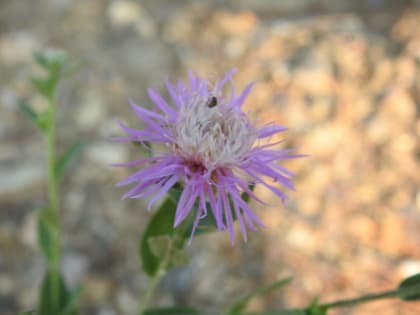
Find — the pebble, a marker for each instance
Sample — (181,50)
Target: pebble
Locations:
(75,267)
(106,153)
(409,267)
(92,111)
(123,12)
(19,176)
(7,285)
(127,302)
(97,290)
(17,47)
(29,230)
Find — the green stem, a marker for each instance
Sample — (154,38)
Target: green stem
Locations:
(52,179)
(375,296)
(156,278)
(407,291)
(53,204)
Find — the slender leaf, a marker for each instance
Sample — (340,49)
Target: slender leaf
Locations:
(28,111)
(410,282)
(47,234)
(44,86)
(316,309)
(72,299)
(32,312)
(41,60)
(47,306)
(175,310)
(65,160)
(39,119)
(51,60)
(240,304)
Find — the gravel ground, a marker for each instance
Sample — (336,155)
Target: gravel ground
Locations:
(343,75)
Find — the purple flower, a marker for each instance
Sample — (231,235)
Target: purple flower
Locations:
(212,149)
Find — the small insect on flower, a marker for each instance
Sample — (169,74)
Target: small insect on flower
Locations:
(213,151)
(211,102)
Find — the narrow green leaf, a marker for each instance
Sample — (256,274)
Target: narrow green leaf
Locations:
(51,60)
(175,310)
(160,224)
(47,234)
(241,303)
(32,312)
(41,60)
(72,299)
(37,118)
(47,305)
(43,86)
(316,309)
(26,109)
(65,160)
(410,282)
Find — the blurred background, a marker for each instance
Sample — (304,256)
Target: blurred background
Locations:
(342,75)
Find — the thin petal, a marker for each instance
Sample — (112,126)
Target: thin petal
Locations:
(270,130)
(215,208)
(143,113)
(241,99)
(228,77)
(144,135)
(138,162)
(172,93)
(165,188)
(228,216)
(188,197)
(275,190)
(161,103)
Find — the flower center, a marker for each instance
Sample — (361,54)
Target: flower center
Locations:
(212,132)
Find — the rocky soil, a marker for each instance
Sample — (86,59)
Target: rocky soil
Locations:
(342,75)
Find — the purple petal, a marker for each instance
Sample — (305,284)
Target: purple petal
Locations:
(275,190)
(165,188)
(241,99)
(138,162)
(194,81)
(270,130)
(143,135)
(172,93)
(216,209)
(143,113)
(228,216)
(228,77)
(161,103)
(185,203)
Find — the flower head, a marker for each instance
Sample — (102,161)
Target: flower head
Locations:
(213,150)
